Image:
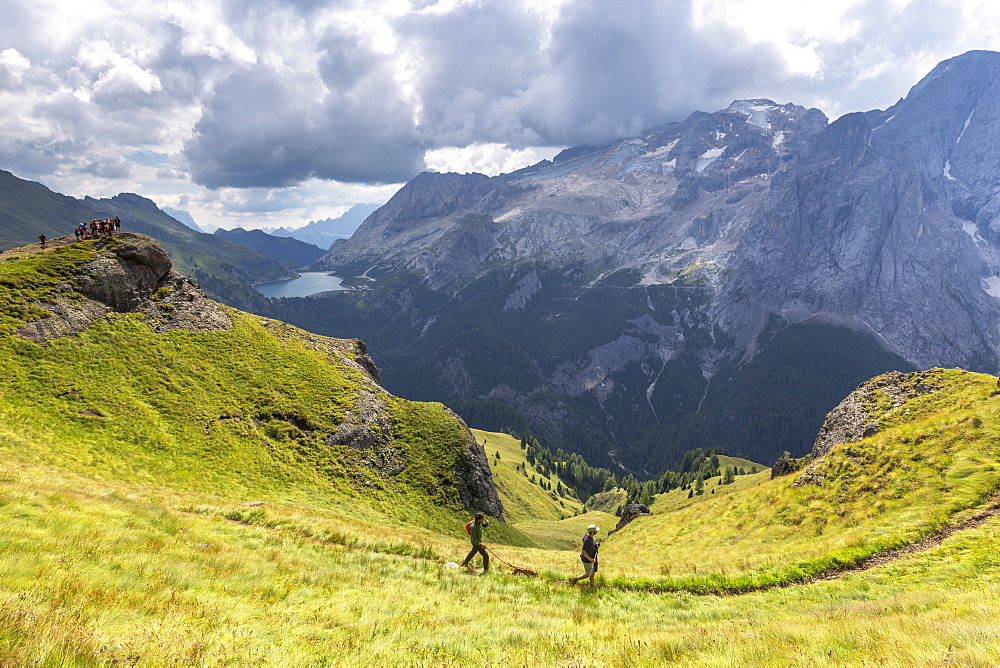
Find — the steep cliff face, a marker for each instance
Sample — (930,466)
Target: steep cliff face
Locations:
(681,256)
(884,220)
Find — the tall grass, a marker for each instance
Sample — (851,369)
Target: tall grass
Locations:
(102,574)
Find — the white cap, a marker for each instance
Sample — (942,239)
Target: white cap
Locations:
(593,528)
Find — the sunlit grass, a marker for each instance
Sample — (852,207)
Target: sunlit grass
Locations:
(170,499)
(98,572)
(884,492)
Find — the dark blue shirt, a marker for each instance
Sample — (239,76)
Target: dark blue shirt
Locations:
(590,547)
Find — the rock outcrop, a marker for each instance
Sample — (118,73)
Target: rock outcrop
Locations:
(863,412)
(132,274)
(786,465)
(859,415)
(629,513)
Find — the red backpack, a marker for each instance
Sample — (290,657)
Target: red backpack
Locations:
(468,526)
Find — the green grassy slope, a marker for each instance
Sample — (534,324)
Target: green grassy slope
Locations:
(107,572)
(242,412)
(548,519)
(125,457)
(934,467)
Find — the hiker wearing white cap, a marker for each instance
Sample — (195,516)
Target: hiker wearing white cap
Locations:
(588,555)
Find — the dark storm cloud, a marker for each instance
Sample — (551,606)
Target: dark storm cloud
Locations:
(261,129)
(625,67)
(484,72)
(274,93)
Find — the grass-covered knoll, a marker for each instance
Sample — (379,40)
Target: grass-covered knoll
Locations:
(241,412)
(224,268)
(933,463)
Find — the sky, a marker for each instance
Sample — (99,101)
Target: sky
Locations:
(278,112)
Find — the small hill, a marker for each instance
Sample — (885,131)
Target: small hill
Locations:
(118,366)
(921,456)
(286,250)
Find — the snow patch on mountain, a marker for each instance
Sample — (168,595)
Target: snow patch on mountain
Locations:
(708,157)
(965,127)
(757,113)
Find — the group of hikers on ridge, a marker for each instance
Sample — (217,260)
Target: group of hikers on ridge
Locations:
(97,228)
(588,551)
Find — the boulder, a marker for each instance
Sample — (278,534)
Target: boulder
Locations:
(629,513)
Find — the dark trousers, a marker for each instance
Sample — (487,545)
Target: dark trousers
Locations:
(481,550)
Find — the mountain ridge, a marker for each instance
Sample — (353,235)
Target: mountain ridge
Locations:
(730,227)
(225,269)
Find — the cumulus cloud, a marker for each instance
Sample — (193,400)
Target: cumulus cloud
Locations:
(273,95)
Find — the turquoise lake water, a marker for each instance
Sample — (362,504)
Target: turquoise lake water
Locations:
(308,283)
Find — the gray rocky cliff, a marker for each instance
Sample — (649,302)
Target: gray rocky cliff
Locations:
(884,220)
(132,273)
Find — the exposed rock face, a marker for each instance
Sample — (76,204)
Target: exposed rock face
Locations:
(368,429)
(629,513)
(131,274)
(477,489)
(785,465)
(858,416)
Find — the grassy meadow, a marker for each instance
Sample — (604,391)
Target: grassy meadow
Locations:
(168,499)
(102,573)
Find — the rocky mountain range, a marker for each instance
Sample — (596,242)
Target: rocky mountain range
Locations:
(676,289)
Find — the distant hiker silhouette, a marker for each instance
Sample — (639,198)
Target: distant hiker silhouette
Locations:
(41,238)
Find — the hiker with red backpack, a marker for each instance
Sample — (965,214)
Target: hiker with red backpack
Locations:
(475,530)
